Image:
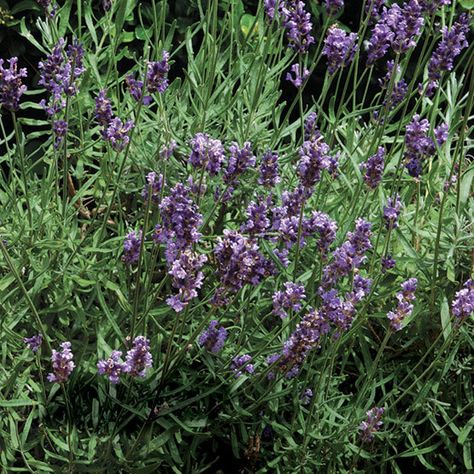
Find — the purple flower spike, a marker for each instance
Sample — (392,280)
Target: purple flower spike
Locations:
(339,48)
(154,183)
(289,299)
(391,212)
(34,342)
(314,158)
(62,364)
(441,134)
(157,74)
(269,176)
(135,87)
(311,131)
(418,145)
(240,160)
(296,77)
(373,168)
(372,424)
(404,307)
(103,109)
(334,6)
(387,263)
(207,153)
(241,363)
(138,358)
(463,303)
(11,87)
(117,133)
(298,24)
(131,247)
(112,367)
(213,338)
(306,397)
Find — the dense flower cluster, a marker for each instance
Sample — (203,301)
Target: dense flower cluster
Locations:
(297,22)
(372,424)
(314,158)
(311,131)
(463,303)
(62,363)
(241,363)
(269,176)
(399,87)
(418,145)
(112,367)
(373,168)
(240,159)
(213,338)
(34,342)
(334,6)
(154,185)
(257,217)
(288,299)
(297,77)
(430,6)
(404,307)
(306,396)
(11,86)
(339,48)
(387,263)
(131,247)
(207,153)
(453,42)
(391,212)
(139,358)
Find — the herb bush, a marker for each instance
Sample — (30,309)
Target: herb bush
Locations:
(238,244)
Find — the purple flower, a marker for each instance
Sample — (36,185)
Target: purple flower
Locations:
(296,77)
(269,176)
(60,128)
(11,87)
(374,7)
(240,160)
(372,424)
(311,131)
(399,89)
(334,6)
(298,24)
(324,226)
(379,42)
(463,303)
(103,109)
(167,150)
(391,212)
(404,307)
(34,342)
(240,363)
(187,278)
(289,299)
(417,145)
(157,74)
(257,217)
(239,261)
(154,183)
(117,133)
(270,6)
(430,6)
(305,338)
(314,158)
(62,363)
(207,153)
(373,168)
(112,367)
(441,133)
(339,48)
(180,221)
(138,358)
(387,263)
(213,338)
(453,42)
(306,397)
(135,87)
(131,247)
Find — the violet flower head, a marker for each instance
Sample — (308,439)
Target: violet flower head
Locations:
(154,183)
(112,367)
(118,133)
(241,364)
(187,278)
(207,153)
(320,223)
(453,42)
(387,263)
(314,158)
(339,48)
(135,87)
(311,131)
(380,41)
(139,358)
(131,247)
(418,145)
(213,338)
(62,363)
(269,176)
(257,217)
(11,86)
(157,74)
(270,6)
(297,21)
(240,160)
(167,150)
(373,8)
(60,128)
(306,397)
(373,168)
(53,70)
(430,6)
(239,261)
(463,304)
(334,6)
(372,424)
(34,342)
(296,77)
(288,299)
(391,212)
(441,133)
(103,109)
(399,89)
(404,307)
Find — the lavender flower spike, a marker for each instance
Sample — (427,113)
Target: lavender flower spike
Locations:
(213,338)
(334,6)
(298,24)
(373,168)
(269,176)
(391,212)
(157,74)
(62,364)
(463,303)
(372,424)
(207,153)
(112,367)
(241,363)
(138,358)
(11,87)
(404,307)
(289,299)
(131,247)
(34,342)
(296,77)
(339,48)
